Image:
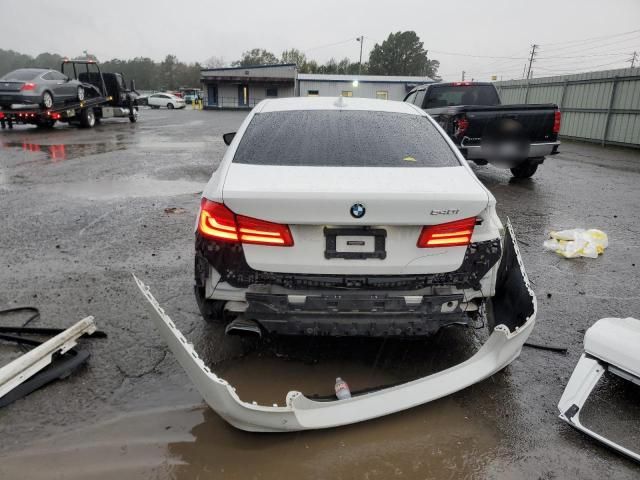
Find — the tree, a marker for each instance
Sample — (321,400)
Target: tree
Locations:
(256,56)
(294,56)
(402,53)
(215,62)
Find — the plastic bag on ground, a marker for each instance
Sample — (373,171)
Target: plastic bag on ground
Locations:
(577,242)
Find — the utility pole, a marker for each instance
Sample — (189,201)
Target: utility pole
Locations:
(633,59)
(533,54)
(463,72)
(361,40)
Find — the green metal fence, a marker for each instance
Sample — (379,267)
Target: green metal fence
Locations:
(601,106)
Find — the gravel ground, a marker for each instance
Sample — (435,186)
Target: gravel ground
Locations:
(83,209)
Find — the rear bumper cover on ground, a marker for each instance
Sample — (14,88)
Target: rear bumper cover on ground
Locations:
(515,311)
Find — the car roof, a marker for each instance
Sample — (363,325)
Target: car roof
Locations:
(34,70)
(336,103)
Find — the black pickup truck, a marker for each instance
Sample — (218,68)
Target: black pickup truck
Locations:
(517,137)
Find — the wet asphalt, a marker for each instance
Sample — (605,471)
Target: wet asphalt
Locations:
(80,210)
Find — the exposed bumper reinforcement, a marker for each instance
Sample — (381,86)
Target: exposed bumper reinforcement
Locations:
(302,413)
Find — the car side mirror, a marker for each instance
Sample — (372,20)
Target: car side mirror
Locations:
(228,137)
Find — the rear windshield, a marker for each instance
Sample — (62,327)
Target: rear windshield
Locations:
(448,96)
(340,138)
(22,75)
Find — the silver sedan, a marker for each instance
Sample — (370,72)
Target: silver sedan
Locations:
(38,86)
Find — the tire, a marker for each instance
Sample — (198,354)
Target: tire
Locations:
(81,93)
(212,311)
(170,106)
(87,118)
(524,170)
(133,118)
(47,99)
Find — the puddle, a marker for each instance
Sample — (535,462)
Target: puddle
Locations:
(441,440)
(123,188)
(66,151)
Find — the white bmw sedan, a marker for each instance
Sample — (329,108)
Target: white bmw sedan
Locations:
(346,217)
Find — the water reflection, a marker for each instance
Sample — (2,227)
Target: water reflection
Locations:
(59,152)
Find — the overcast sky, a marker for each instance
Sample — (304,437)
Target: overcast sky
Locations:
(195,30)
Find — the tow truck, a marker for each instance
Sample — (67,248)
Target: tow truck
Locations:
(107,96)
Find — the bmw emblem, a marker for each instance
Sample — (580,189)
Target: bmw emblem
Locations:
(357,210)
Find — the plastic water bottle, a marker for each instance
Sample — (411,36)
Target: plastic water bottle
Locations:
(342,389)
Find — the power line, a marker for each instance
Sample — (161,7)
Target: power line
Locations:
(475,56)
(591,38)
(330,44)
(582,69)
(575,48)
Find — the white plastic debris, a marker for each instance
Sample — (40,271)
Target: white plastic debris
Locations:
(577,242)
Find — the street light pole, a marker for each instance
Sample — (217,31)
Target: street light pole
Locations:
(361,40)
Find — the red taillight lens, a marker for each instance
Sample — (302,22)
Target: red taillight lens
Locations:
(556,121)
(28,86)
(462,124)
(452,234)
(260,232)
(1,115)
(219,223)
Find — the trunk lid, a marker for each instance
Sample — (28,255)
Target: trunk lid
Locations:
(10,86)
(397,200)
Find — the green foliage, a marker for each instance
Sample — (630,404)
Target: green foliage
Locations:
(256,56)
(402,53)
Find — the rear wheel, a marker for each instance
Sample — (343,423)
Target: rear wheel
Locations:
(47,100)
(87,118)
(170,106)
(524,170)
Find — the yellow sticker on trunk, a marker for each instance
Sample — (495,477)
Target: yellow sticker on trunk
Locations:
(409,158)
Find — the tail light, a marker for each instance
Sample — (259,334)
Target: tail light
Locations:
(458,84)
(452,234)
(28,86)
(556,122)
(1,115)
(461,124)
(219,223)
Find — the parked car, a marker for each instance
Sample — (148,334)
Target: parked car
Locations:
(344,217)
(518,137)
(38,86)
(168,100)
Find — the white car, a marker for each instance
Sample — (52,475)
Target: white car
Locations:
(158,100)
(344,217)
(349,217)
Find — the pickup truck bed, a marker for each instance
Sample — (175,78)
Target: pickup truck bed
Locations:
(518,137)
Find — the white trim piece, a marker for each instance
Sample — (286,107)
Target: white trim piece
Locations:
(302,413)
(584,378)
(24,367)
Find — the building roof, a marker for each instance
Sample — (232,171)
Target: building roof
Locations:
(321,77)
(248,67)
(336,103)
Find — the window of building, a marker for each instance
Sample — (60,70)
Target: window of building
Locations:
(312,93)
(272,91)
(382,95)
(347,93)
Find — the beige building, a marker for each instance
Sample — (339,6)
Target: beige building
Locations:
(244,87)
